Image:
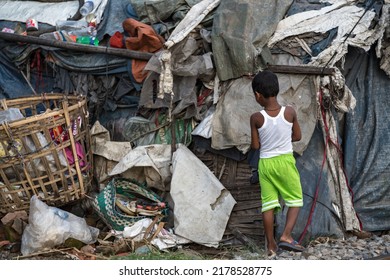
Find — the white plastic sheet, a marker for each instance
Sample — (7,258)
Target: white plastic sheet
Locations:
(50,226)
(196,14)
(45,11)
(230,123)
(107,153)
(202,205)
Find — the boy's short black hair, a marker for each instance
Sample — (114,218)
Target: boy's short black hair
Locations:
(266,83)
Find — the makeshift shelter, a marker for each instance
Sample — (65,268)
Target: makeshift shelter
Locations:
(331,58)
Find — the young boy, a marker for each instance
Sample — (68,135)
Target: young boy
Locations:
(272,131)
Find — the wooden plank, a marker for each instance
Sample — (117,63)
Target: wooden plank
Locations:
(243,219)
(245,205)
(245,240)
(256,226)
(300,69)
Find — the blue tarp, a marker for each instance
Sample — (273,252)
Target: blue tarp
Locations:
(12,83)
(366,141)
(324,220)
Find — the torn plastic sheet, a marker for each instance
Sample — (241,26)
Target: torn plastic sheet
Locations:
(195,15)
(107,153)
(146,163)
(240,42)
(341,15)
(230,123)
(202,205)
(337,15)
(186,68)
(102,146)
(204,128)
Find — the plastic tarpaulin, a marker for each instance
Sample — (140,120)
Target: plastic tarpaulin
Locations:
(241,30)
(12,83)
(364,138)
(366,141)
(364,23)
(48,13)
(230,124)
(147,163)
(202,205)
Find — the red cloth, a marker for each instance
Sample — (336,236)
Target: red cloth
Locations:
(116,40)
(142,38)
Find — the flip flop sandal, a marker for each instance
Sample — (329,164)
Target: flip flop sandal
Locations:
(291,246)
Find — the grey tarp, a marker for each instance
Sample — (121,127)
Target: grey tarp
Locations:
(12,83)
(241,30)
(366,143)
(161,10)
(231,119)
(187,67)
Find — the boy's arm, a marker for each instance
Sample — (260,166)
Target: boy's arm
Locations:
(256,121)
(296,129)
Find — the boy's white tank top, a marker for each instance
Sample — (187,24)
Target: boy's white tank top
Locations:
(275,135)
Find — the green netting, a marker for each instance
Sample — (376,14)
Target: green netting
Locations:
(105,203)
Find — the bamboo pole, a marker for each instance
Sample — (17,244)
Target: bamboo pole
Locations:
(75,46)
(73,144)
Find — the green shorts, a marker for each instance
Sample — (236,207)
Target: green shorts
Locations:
(279,177)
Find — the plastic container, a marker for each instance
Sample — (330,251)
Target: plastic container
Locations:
(92,30)
(80,32)
(32,25)
(86,40)
(87,8)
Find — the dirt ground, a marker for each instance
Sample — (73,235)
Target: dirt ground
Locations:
(189,252)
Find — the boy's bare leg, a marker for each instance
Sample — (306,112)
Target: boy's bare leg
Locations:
(291,218)
(268,222)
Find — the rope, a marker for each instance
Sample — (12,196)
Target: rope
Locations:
(308,222)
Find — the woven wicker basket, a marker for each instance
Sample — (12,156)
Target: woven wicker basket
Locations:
(44,150)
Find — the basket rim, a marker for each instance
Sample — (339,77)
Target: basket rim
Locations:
(14,101)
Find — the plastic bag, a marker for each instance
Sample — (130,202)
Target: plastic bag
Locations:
(50,226)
